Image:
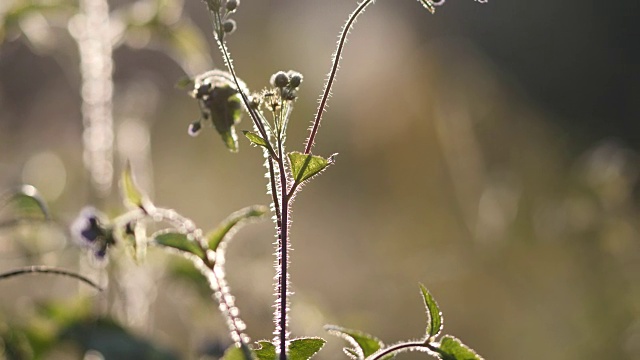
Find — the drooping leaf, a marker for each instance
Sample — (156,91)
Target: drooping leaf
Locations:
(305,348)
(217,235)
(428,4)
(180,242)
(267,351)
(225,110)
(133,196)
(255,138)
(25,202)
(434,316)
(452,348)
(305,166)
(363,344)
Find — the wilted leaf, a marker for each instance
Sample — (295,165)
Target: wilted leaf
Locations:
(434,316)
(363,344)
(452,348)
(217,235)
(267,351)
(179,242)
(305,166)
(305,348)
(255,138)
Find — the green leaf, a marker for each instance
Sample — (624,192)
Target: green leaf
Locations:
(363,344)
(452,348)
(184,82)
(218,234)
(132,195)
(233,353)
(434,316)
(255,138)
(25,203)
(225,110)
(305,348)
(428,4)
(305,166)
(267,351)
(179,242)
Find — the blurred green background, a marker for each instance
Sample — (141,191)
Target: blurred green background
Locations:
(487,151)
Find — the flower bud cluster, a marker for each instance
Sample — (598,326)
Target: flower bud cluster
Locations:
(287,84)
(223,9)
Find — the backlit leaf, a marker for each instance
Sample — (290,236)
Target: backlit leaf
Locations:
(452,348)
(363,344)
(267,351)
(434,316)
(255,138)
(305,348)
(180,242)
(230,223)
(305,166)
(131,193)
(25,203)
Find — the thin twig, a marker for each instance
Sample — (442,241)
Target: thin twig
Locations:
(332,73)
(42,269)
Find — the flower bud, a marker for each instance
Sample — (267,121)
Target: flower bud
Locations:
(295,78)
(232,5)
(194,128)
(279,79)
(229,26)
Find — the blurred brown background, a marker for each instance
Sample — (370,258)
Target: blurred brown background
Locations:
(487,151)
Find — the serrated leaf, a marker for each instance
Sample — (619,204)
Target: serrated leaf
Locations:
(217,235)
(452,348)
(305,166)
(179,242)
(255,138)
(428,4)
(363,344)
(434,316)
(267,351)
(304,348)
(25,203)
(131,193)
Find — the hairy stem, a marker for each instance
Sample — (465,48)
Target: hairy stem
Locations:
(219,34)
(398,347)
(332,74)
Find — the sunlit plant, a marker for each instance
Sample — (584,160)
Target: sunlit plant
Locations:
(223,98)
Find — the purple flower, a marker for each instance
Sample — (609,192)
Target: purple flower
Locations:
(91,230)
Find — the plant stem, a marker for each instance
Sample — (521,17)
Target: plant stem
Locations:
(41,269)
(332,74)
(219,35)
(283,245)
(397,347)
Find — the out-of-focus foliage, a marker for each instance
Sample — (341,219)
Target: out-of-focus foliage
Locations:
(451,173)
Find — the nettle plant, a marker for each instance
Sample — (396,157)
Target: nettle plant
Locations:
(223,98)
